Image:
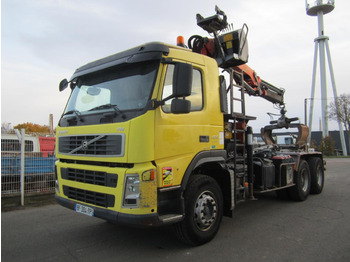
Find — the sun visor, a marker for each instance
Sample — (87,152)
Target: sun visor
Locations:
(147,52)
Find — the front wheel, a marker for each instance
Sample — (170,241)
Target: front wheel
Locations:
(203,211)
(302,180)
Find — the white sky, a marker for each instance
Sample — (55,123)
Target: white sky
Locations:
(44,41)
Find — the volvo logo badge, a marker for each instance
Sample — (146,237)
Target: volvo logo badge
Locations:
(84,145)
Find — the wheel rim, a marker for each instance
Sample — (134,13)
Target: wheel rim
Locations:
(319,176)
(304,179)
(205,211)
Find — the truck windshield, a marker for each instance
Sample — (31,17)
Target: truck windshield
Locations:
(121,88)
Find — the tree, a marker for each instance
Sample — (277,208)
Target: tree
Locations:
(327,146)
(313,144)
(33,128)
(340,111)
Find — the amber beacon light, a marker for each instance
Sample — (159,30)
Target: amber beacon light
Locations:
(180,41)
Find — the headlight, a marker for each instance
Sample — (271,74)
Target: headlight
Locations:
(131,191)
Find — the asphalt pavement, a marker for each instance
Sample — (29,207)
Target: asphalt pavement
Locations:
(267,229)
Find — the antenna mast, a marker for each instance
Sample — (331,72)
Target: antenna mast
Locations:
(319,8)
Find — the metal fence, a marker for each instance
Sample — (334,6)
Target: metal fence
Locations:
(39,164)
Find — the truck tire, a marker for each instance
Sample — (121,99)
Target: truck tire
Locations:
(203,211)
(302,180)
(317,175)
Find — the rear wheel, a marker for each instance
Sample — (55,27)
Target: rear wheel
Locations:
(302,181)
(317,175)
(203,211)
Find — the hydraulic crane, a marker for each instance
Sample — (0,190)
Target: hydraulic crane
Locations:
(230,50)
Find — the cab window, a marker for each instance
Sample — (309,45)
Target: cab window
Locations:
(196,96)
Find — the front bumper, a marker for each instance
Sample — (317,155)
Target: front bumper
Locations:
(117,217)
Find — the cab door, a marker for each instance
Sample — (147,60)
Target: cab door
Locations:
(179,137)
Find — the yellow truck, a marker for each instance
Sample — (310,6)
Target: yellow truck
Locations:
(149,137)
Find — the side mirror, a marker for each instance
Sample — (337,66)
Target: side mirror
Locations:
(63,85)
(182,81)
(180,106)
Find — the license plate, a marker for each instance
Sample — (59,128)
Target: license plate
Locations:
(84,210)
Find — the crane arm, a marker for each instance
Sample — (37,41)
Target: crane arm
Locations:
(254,85)
(230,50)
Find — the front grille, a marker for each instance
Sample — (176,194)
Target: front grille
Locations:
(92,145)
(90,177)
(90,197)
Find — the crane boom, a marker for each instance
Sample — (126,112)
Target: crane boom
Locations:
(230,50)
(254,85)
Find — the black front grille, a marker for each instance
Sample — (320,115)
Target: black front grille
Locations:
(90,197)
(90,177)
(94,145)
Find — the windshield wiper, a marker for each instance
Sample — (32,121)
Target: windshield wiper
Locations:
(106,106)
(75,112)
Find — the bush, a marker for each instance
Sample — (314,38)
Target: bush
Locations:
(327,146)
